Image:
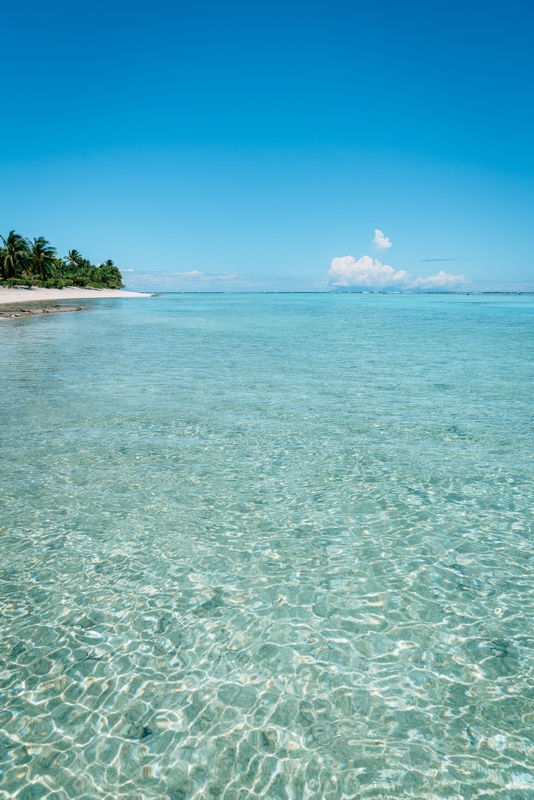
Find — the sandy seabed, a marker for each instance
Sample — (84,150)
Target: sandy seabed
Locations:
(68,293)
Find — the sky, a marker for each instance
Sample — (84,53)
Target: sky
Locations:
(260,146)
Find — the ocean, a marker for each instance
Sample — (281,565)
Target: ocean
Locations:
(271,546)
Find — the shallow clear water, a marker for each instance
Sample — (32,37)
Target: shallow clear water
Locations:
(268,546)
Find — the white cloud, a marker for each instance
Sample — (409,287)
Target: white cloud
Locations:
(440,281)
(194,281)
(370,272)
(126,270)
(196,276)
(367,271)
(380,241)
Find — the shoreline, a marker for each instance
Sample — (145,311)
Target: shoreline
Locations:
(39,294)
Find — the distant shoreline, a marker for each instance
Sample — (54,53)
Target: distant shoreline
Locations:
(38,294)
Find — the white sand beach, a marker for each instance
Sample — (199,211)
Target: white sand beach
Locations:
(68,293)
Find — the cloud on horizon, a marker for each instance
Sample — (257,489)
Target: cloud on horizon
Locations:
(366,271)
(194,276)
(440,281)
(371,273)
(192,281)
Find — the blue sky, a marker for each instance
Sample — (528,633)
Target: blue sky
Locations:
(246,145)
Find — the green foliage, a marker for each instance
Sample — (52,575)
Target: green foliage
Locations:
(43,258)
(37,264)
(15,256)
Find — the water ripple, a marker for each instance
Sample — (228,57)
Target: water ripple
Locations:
(268,546)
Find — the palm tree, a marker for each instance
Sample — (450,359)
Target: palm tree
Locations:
(43,258)
(15,255)
(74,258)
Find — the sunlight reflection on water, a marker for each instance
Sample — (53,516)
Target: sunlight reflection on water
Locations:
(268,545)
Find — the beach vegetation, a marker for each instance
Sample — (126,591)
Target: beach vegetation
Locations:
(15,256)
(36,263)
(43,258)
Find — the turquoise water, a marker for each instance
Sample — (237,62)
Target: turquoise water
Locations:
(268,546)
